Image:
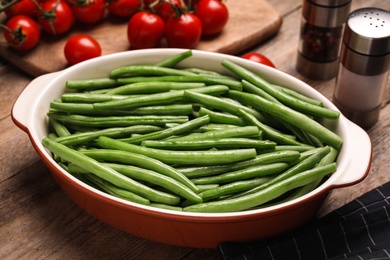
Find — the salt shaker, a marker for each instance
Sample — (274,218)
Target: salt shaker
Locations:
(365,64)
(320,39)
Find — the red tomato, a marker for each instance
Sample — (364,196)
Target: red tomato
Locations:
(183,31)
(81,47)
(257,57)
(62,20)
(24,7)
(88,11)
(213,15)
(165,9)
(22,32)
(145,30)
(124,8)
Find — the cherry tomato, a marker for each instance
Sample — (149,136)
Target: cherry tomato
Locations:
(81,47)
(164,9)
(124,8)
(257,57)
(22,32)
(88,11)
(145,30)
(62,20)
(24,7)
(183,31)
(213,15)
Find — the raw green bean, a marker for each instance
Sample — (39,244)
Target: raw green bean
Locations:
(91,83)
(212,127)
(116,121)
(207,79)
(266,158)
(89,97)
(291,116)
(151,177)
(83,137)
(151,87)
(213,102)
(115,191)
(204,187)
(157,99)
(299,96)
(269,132)
(265,195)
(233,187)
(124,157)
(239,131)
(243,174)
(286,99)
(147,70)
(59,128)
(182,157)
(108,174)
(165,206)
(225,143)
(221,118)
(303,165)
(173,60)
(164,133)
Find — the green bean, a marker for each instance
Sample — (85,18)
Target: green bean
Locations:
(221,118)
(89,97)
(116,121)
(233,187)
(107,173)
(164,133)
(204,187)
(59,128)
(269,132)
(173,60)
(265,195)
(239,131)
(151,87)
(225,143)
(207,79)
(261,159)
(124,157)
(152,177)
(91,83)
(299,95)
(115,191)
(212,102)
(157,99)
(291,116)
(212,127)
(243,174)
(147,70)
(303,165)
(290,101)
(83,137)
(182,157)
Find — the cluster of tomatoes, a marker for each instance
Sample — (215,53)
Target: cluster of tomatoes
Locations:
(181,23)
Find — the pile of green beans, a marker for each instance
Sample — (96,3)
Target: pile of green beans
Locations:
(190,139)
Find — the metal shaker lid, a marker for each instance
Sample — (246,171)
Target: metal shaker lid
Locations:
(367,31)
(330,3)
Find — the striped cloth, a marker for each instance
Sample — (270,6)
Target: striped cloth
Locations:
(357,230)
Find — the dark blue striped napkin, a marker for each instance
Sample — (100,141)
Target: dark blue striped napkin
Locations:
(357,230)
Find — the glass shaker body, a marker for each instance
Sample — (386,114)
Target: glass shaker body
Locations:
(320,37)
(364,66)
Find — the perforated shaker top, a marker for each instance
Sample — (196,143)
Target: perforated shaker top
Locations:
(367,31)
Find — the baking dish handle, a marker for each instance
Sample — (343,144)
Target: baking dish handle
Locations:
(27,98)
(360,162)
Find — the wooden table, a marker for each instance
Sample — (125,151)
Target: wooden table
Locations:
(37,220)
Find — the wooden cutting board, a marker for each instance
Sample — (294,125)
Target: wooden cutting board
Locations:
(250,23)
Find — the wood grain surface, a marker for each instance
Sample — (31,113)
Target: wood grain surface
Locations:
(38,221)
(250,23)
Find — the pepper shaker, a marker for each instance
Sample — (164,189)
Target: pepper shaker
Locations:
(365,64)
(320,39)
